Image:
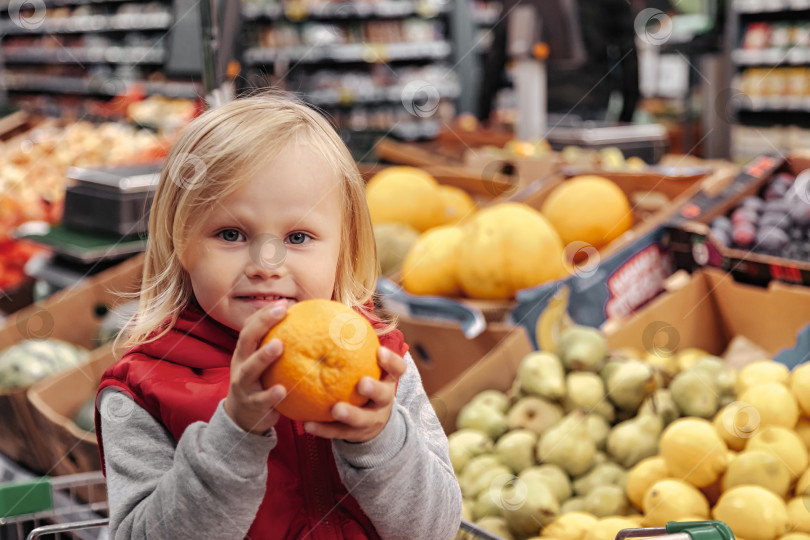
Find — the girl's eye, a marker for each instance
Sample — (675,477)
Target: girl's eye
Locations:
(231,235)
(298,238)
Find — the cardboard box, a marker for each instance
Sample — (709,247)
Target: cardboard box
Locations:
(708,312)
(71,315)
(55,402)
(693,246)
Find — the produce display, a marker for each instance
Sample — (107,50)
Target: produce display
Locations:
(776,222)
(590,441)
(28,361)
(490,253)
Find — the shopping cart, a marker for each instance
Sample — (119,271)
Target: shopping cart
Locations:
(674,530)
(72,506)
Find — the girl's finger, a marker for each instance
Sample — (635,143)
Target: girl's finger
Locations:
(256,328)
(381,393)
(259,361)
(393,364)
(270,397)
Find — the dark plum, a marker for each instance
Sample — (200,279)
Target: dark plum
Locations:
(722,223)
(774,219)
(800,213)
(753,202)
(775,191)
(744,235)
(778,206)
(722,235)
(744,215)
(771,239)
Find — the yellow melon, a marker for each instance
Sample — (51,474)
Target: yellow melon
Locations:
(405,195)
(430,266)
(458,205)
(588,209)
(508,247)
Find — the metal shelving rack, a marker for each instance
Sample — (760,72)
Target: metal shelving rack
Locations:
(354,85)
(764,123)
(125,46)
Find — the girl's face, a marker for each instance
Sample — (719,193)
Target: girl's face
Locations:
(278,236)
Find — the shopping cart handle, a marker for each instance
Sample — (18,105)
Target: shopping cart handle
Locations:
(702,530)
(67,527)
(682,530)
(23,498)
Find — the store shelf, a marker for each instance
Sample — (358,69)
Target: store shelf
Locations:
(92,23)
(771,57)
(391,94)
(98,86)
(353,52)
(769,6)
(4,4)
(345,10)
(85,55)
(776,105)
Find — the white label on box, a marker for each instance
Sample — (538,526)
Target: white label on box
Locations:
(637,281)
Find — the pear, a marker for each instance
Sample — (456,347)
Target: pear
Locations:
(661,404)
(466,509)
(605,409)
(633,440)
(606,474)
(630,383)
(610,367)
(495,525)
(582,348)
(552,476)
(568,445)
(601,457)
(516,449)
(527,506)
(482,417)
(542,374)
(488,503)
(574,504)
(465,444)
(695,393)
(534,413)
(723,375)
(584,389)
(598,430)
(479,474)
(606,500)
(493,398)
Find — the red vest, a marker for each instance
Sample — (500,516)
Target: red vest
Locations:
(182,377)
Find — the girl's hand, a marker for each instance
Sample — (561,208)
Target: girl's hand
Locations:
(248,404)
(360,424)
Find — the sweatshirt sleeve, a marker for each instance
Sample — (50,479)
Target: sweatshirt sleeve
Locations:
(212,480)
(402,478)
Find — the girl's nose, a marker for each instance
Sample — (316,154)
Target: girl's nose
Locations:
(267,257)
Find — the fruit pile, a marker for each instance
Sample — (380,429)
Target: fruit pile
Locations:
(599,441)
(777,222)
(440,244)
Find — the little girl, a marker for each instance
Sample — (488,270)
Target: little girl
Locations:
(260,205)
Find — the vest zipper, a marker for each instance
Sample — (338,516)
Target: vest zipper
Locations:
(316,475)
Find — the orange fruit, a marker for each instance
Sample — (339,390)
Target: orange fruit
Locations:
(328,347)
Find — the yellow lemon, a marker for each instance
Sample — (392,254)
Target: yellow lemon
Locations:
(642,476)
(798,509)
(760,372)
(405,195)
(795,536)
(736,423)
(430,266)
(802,429)
(785,445)
(775,404)
(758,468)
(693,451)
(670,499)
(753,512)
(570,526)
(458,205)
(803,485)
(607,528)
(800,385)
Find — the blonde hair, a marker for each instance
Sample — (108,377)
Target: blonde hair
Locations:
(217,153)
